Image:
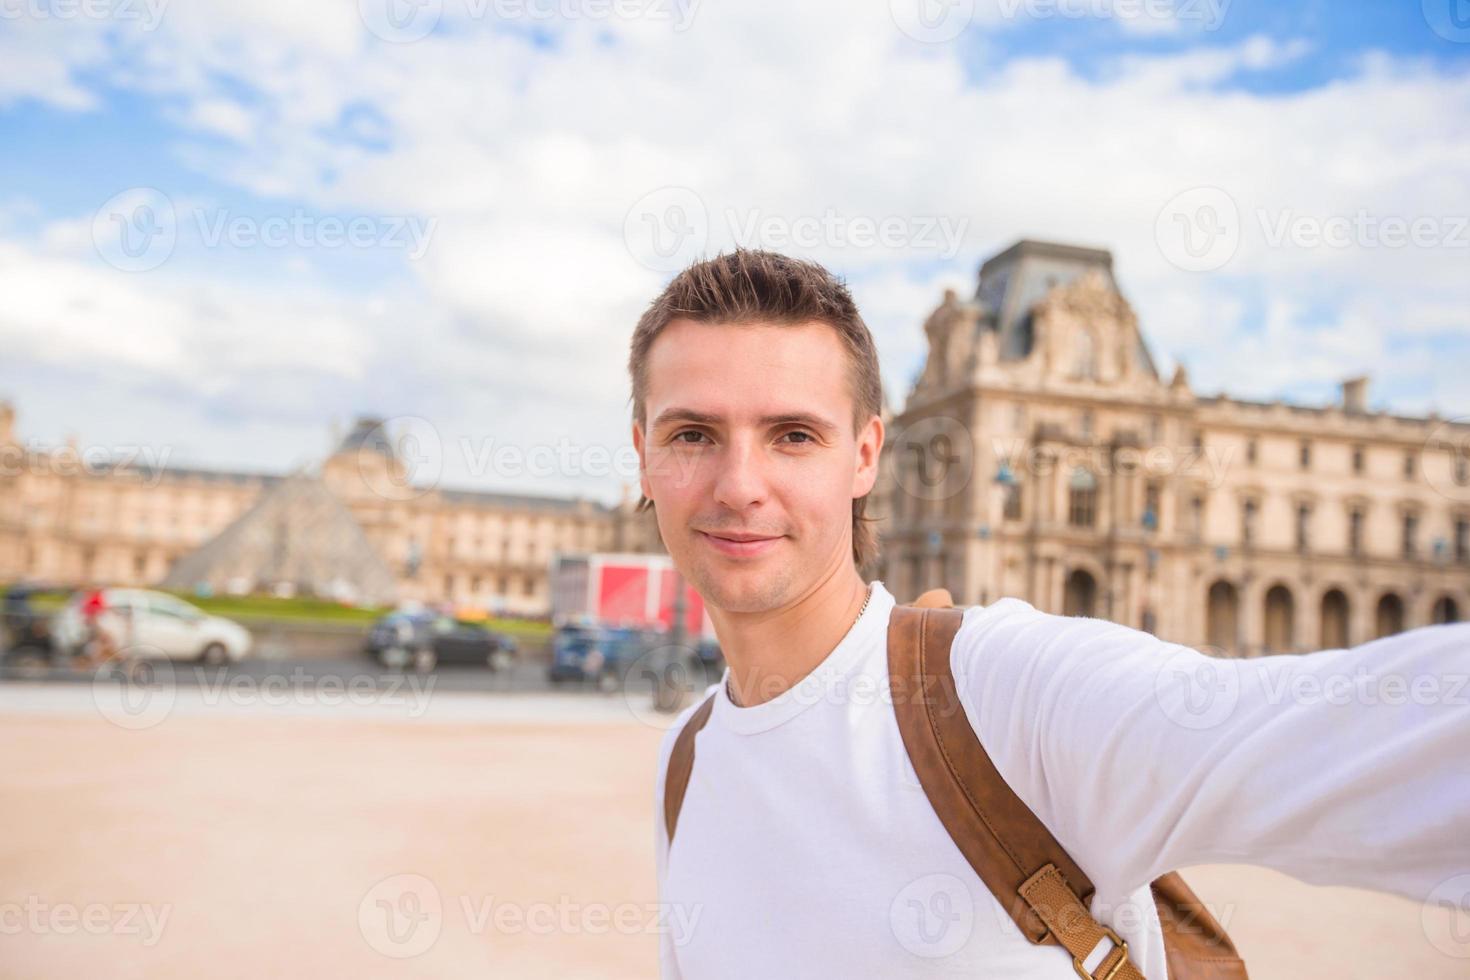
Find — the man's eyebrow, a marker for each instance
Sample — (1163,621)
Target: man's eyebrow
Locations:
(672,415)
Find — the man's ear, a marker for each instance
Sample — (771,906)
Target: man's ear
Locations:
(869,452)
(642,459)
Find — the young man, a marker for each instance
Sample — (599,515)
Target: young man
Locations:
(806,847)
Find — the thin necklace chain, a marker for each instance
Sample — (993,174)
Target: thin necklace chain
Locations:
(868,598)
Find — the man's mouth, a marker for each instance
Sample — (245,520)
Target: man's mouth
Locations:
(740,545)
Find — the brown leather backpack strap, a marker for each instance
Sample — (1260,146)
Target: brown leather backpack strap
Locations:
(681,765)
(1012,851)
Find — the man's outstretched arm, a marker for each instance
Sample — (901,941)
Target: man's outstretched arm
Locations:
(1344,767)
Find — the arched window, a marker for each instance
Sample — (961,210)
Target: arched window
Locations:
(1280,619)
(1389,618)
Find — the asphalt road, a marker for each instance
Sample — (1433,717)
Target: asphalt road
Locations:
(521,677)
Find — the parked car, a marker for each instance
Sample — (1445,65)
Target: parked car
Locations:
(596,654)
(587,652)
(25,632)
(153,624)
(425,640)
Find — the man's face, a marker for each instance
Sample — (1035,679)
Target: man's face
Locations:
(750,457)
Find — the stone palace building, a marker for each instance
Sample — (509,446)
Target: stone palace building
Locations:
(1040,454)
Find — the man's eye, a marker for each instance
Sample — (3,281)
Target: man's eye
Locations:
(679,437)
(806,437)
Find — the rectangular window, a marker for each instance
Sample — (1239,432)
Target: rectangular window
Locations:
(1411,533)
(1248,524)
(1462,540)
(1410,466)
(1082,508)
(1306,454)
(1358,460)
(1013,502)
(1355,532)
(1303,521)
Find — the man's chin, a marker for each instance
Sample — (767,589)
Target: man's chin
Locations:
(741,590)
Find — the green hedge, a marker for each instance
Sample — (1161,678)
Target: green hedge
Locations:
(296,610)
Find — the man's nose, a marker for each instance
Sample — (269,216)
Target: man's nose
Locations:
(742,480)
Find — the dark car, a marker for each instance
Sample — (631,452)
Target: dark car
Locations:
(596,654)
(25,634)
(425,640)
(603,654)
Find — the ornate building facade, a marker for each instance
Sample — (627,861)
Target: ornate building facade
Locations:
(1040,454)
(68,520)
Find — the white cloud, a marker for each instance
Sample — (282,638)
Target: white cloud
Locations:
(529,156)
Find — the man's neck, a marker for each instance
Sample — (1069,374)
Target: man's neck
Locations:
(769,652)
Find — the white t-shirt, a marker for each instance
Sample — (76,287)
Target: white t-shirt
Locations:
(806,847)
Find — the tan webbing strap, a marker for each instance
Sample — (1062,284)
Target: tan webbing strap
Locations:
(681,765)
(1074,927)
(1012,851)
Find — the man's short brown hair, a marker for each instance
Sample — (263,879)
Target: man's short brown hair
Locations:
(750,286)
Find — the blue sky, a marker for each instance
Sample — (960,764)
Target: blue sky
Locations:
(495,169)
